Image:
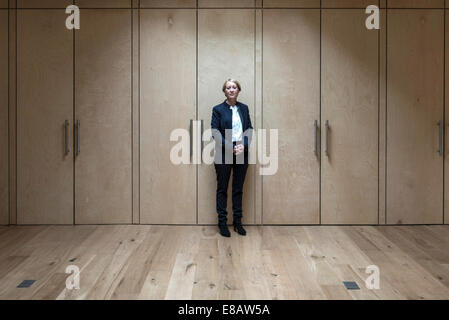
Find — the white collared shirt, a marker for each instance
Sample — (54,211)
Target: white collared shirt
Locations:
(237,130)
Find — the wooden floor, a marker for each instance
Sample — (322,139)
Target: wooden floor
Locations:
(194,262)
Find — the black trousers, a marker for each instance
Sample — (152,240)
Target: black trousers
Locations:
(223,172)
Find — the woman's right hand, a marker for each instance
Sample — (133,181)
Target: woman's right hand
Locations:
(238,149)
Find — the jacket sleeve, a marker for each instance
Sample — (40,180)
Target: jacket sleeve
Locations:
(216,134)
(248,134)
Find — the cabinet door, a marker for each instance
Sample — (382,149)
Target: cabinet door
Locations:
(226,49)
(446,158)
(4,181)
(415,71)
(44,104)
(349,177)
(291,104)
(168,102)
(103,107)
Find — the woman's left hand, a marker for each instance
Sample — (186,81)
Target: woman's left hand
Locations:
(239,148)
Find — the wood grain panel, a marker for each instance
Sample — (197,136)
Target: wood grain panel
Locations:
(168,100)
(224,52)
(349,176)
(4,4)
(4,134)
(257,121)
(348,3)
(44,4)
(291,104)
(103,105)
(103,3)
(136,117)
(382,114)
(446,140)
(226,4)
(168,3)
(44,102)
(291,3)
(414,108)
(12,118)
(415,3)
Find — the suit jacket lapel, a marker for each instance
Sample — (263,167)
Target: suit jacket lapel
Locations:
(228,115)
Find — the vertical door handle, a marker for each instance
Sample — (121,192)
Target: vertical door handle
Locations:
(315,142)
(201,137)
(78,150)
(67,137)
(327,138)
(191,138)
(440,124)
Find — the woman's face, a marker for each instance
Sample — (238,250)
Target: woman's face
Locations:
(231,91)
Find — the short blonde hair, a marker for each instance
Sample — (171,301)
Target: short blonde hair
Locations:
(231,80)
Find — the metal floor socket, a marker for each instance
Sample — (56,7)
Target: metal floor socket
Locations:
(26,283)
(351,285)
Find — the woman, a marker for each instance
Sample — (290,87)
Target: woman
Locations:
(232,131)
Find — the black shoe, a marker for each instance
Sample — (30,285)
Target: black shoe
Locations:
(239,229)
(224,231)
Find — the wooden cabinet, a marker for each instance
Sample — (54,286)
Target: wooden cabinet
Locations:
(415,71)
(446,139)
(291,105)
(54,187)
(168,102)
(4,114)
(44,104)
(297,66)
(103,177)
(226,49)
(349,144)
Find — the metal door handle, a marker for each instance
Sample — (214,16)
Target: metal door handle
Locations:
(191,137)
(327,138)
(440,124)
(315,147)
(67,137)
(78,149)
(201,137)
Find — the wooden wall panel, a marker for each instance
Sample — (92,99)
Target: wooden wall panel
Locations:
(103,3)
(291,104)
(136,116)
(103,177)
(168,3)
(44,4)
(257,121)
(226,4)
(382,114)
(348,3)
(4,127)
(4,4)
(446,140)
(12,119)
(415,3)
(44,103)
(291,3)
(414,108)
(224,51)
(168,102)
(349,174)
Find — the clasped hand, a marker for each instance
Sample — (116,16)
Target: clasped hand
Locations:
(238,149)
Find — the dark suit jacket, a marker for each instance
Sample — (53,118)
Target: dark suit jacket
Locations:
(222,120)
